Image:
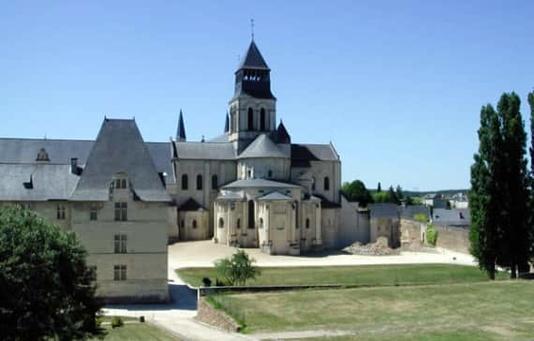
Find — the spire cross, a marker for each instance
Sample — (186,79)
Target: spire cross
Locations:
(252,28)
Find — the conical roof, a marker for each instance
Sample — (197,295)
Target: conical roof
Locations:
(282,135)
(253,59)
(180,131)
(262,147)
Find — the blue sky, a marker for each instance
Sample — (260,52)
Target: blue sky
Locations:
(396,85)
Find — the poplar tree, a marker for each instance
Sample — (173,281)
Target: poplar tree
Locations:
(531,220)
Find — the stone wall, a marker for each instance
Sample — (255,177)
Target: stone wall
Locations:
(208,314)
(450,238)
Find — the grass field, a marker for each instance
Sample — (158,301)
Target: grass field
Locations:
(134,331)
(362,275)
(502,310)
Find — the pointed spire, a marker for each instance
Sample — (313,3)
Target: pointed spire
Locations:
(282,136)
(227,123)
(253,59)
(180,132)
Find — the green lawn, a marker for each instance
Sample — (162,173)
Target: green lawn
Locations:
(133,331)
(362,275)
(502,310)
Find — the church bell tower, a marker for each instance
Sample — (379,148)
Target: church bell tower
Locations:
(253,106)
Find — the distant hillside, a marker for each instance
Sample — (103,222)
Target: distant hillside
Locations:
(445,192)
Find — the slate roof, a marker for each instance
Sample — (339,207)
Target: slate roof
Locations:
(253,59)
(180,131)
(410,211)
(205,151)
(262,147)
(275,196)
(384,210)
(190,205)
(49,182)
(231,195)
(119,147)
(16,150)
(282,136)
(161,154)
(302,154)
(452,217)
(251,183)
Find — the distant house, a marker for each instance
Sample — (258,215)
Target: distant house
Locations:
(455,217)
(459,200)
(435,200)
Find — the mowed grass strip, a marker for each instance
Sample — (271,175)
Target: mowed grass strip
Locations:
(134,331)
(361,275)
(502,310)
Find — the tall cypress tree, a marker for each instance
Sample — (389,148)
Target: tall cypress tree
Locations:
(484,232)
(531,221)
(514,243)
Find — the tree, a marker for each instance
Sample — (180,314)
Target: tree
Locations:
(237,269)
(531,177)
(47,288)
(379,188)
(393,195)
(499,233)
(398,192)
(356,191)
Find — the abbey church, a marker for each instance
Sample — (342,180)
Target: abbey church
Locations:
(126,198)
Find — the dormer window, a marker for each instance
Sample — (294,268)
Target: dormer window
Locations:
(42,155)
(120,181)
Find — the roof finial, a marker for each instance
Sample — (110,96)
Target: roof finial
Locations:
(252,29)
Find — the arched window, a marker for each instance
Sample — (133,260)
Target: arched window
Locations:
(326,183)
(307,223)
(250,119)
(261,223)
(194,223)
(214,182)
(238,225)
(263,124)
(199,182)
(250,214)
(270,174)
(185,180)
(221,223)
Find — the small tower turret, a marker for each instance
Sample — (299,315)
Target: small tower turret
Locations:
(180,131)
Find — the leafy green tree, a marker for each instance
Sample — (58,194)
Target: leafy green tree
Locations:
(47,290)
(398,193)
(356,191)
(237,269)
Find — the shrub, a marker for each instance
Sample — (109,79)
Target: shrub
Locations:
(116,322)
(236,270)
(206,281)
(431,235)
(142,319)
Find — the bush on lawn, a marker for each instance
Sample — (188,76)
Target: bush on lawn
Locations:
(237,269)
(116,322)
(206,281)
(431,235)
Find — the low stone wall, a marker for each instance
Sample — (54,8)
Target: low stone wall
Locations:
(450,238)
(208,314)
(453,238)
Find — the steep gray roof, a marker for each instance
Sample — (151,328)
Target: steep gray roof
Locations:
(48,182)
(302,154)
(275,196)
(252,183)
(253,58)
(119,147)
(410,211)
(452,217)
(262,147)
(161,154)
(15,150)
(205,151)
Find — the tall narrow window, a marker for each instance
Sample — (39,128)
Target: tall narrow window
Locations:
(93,212)
(194,224)
(238,225)
(251,214)
(250,119)
(120,183)
(214,182)
(263,123)
(326,183)
(221,223)
(307,223)
(119,272)
(60,212)
(121,211)
(199,182)
(120,243)
(313,184)
(185,184)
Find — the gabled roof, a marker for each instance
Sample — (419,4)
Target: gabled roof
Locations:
(259,183)
(302,154)
(48,182)
(262,147)
(275,196)
(253,59)
(119,147)
(190,205)
(205,150)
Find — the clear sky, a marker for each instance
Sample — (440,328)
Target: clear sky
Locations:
(395,85)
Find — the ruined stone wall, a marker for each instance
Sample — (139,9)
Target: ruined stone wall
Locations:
(218,318)
(450,238)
